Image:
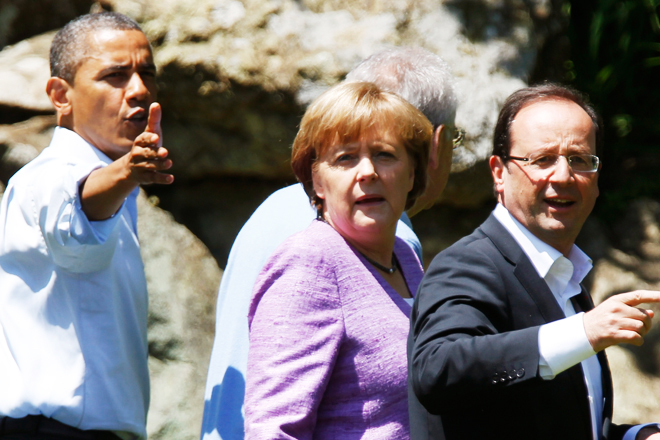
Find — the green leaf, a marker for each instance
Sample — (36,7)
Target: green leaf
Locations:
(652,62)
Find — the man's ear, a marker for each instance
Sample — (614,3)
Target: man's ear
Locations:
(58,91)
(436,145)
(497,169)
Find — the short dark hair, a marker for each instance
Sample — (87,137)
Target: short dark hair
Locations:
(68,49)
(350,112)
(529,95)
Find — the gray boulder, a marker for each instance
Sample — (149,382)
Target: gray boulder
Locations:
(236,75)
(182,279)
(21,19)
(634,264)
(24,70)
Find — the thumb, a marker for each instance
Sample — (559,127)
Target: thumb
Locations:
(153,123)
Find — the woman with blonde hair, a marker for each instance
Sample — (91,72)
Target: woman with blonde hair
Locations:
(329,315)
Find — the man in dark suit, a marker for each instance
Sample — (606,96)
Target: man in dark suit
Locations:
(500,345)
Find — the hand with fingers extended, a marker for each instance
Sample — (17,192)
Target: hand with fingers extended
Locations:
(618,319)
(106,188)
(147,159)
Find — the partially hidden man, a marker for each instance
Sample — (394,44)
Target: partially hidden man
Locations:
(73,297)
(505,342)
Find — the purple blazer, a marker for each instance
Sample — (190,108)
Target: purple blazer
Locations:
(328,334)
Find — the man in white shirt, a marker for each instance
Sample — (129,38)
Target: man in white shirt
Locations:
(500,344)
(73,298)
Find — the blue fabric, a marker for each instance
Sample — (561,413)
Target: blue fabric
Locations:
(281,215)
(632,432)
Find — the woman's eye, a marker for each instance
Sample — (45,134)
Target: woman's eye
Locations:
(344,157)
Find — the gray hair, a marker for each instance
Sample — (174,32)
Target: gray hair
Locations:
(417,75)
(68,48)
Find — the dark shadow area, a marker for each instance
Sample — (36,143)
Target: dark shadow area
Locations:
(215,210)
(12,115)
(25,18)
(443,225)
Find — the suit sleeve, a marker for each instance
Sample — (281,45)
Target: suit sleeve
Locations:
(296,330)
(464,347)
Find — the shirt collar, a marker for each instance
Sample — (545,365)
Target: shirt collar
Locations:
(77,146)
(545,259)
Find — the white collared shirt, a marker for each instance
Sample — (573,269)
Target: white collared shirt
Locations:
(562,343)
(73,298)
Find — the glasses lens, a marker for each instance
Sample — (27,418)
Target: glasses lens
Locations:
(583,162)
(542,161)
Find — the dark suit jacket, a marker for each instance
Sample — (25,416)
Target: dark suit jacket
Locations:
(473,350)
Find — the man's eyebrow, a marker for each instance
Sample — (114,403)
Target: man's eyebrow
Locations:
(124,67)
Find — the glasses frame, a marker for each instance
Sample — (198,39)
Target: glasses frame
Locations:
(459,137)
(598,165)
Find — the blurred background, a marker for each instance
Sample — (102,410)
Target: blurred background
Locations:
(235,77)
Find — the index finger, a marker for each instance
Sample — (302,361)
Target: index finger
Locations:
(153,123)
(639,297)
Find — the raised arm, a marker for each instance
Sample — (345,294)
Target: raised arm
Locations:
(104,190)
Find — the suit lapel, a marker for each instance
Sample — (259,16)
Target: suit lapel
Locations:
(538,289)
(524,270)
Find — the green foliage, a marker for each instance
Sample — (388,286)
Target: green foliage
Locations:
(615,58)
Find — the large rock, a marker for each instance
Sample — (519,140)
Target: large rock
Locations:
(236,75)
(24,70)
(21,19)
(22,142)
(634,264)
(182,279)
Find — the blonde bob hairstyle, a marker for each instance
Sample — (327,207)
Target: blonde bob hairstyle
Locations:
(353,112)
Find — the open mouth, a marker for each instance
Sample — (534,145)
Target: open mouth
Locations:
(137,116)
(559,203)
(371,199)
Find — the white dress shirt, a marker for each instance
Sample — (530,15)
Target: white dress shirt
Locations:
(562,343)
(73,299)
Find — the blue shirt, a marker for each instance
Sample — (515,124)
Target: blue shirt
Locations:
(281,215)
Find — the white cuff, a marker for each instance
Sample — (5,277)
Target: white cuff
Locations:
(562,344)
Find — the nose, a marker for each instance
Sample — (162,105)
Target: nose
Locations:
(366,169)
(562,172)
(136,89)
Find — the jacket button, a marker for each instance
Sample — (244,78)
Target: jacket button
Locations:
(520,373)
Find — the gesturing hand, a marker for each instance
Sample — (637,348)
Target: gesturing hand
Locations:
(618,320)
(148,158)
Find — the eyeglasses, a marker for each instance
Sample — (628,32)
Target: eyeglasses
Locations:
(541,161)
(459,136)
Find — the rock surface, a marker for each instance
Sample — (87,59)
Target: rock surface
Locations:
(21,19)
(634,264)
(235,75)
(182,280)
